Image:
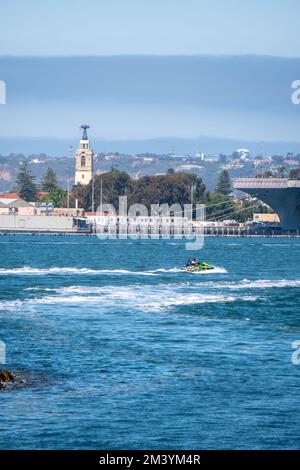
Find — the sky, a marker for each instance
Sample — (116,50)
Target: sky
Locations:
(146,69)
(106,27)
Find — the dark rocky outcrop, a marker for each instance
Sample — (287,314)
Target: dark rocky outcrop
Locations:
(5,378)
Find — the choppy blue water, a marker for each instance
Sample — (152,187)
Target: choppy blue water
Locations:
(118,349)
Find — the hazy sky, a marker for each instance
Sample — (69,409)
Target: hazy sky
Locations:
(104,27)
(142,97)
(228,88)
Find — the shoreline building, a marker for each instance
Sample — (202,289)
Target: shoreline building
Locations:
(84,159)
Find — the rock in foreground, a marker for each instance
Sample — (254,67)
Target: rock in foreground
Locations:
(5,377)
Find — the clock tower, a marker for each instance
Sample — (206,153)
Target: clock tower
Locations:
(84,159)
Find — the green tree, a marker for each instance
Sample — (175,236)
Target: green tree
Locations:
(163,189)
(173,188)
(294,174)
(114,183)
(218,206)
(25,183)
(248,207)
(281,171)
(57,197)
(78,192)
(223,184)
(50,182)
(266,174)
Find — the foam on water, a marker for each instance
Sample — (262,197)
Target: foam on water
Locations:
(215,270)
(136,304)
(251,284)
(149,297)
(146,298)
(27,270)
(119,348)
(41,272)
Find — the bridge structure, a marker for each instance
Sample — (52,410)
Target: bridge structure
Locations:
(282,194)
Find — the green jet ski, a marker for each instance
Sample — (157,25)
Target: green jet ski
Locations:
(199,267)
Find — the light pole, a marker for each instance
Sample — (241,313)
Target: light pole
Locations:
(93,194)
(68,203)
(193,187)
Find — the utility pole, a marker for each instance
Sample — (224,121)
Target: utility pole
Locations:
(193,186)
(93,194)
(68,194)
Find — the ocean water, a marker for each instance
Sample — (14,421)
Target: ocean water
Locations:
(114,347)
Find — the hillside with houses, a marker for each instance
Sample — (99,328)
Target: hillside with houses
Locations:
(240,163)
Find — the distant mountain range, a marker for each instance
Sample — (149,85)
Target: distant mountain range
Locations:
(210,145)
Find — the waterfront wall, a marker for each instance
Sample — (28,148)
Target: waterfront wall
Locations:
(17,223)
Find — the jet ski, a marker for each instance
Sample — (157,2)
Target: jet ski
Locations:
(199,267)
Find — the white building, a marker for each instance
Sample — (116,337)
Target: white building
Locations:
(244,154)
(200,155)
(156,225)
